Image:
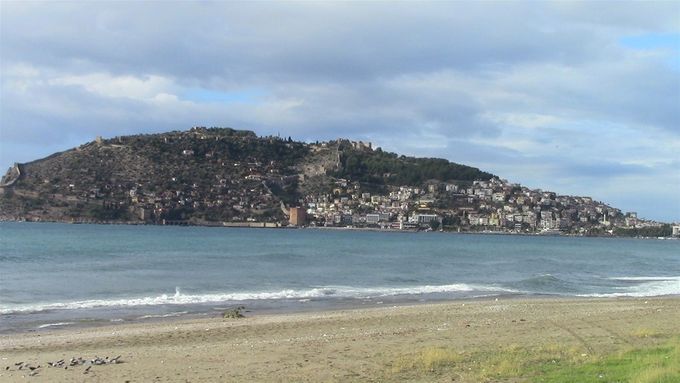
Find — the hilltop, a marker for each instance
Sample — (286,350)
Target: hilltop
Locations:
(201,175)
(223,176)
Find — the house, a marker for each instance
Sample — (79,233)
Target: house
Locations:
(372,219)
(424,218)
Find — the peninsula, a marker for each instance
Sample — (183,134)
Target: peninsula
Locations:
(228,177)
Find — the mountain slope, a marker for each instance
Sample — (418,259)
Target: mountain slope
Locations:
(202,175)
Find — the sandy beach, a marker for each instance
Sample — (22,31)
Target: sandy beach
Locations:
(376,344)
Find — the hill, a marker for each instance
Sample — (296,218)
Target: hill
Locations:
(205,176)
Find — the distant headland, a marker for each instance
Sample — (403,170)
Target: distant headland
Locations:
(227,177)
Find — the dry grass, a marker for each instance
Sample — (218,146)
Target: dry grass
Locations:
(428,360)
(548,363)
(505,363)
(645,333)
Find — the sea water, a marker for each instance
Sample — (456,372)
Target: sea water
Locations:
(57,275)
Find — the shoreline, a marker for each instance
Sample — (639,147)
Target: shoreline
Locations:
(131,315)
(342,345)
(39,322)
(334,228)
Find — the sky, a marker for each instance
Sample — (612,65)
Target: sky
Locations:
(579,98)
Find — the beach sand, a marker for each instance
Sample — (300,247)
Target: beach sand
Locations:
(375,344)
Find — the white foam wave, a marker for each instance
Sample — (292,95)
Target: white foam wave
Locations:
(643,279)
(319,292)
(169,315)
(652,288)
(54,324)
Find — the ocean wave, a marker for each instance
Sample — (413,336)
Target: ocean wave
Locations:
(169,315)
(545,283)
(652,288)
(55,324)
(317,292)
(644,279)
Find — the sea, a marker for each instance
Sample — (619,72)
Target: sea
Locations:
(56,275)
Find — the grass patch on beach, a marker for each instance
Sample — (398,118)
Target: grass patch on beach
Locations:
(652,364)
(516,361)
(553,363)
(491,366)
(429,360)
(644,332)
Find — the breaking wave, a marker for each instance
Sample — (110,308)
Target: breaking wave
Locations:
(319,292)
(545,284)
(46,325)
(637,287)
(645,279)
(648,287)
(169,315)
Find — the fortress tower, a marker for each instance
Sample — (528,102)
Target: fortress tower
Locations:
(298,216)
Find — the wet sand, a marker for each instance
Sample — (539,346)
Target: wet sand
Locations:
(345,345)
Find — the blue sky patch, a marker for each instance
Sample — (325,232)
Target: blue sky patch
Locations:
(652,41)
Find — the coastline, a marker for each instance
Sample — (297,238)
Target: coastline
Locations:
(261,225)
(356,344)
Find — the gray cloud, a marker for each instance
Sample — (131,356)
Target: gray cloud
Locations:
(288,41)
(541,93)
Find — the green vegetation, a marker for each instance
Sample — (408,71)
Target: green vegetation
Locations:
(654,231)
(235,313)
(379,167)
(658,363)
(211,144)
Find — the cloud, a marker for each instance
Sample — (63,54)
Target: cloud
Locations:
(136,88)
(549,94)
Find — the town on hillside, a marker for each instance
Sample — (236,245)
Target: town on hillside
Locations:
(487,206)
(227,177)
